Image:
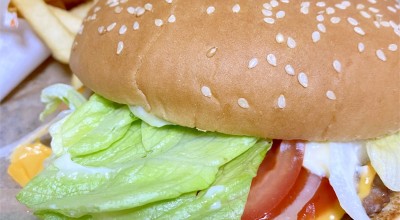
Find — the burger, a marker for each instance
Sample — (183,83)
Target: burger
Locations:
(228,110)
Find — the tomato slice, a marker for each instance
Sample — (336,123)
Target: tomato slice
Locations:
(275,177)
(324,204)
(303,191)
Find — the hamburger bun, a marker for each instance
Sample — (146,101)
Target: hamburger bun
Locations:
(317,71)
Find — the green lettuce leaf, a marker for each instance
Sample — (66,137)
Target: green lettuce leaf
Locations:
(54,95)
(111,162)
(384,154)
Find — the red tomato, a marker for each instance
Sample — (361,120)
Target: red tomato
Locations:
(303,191)
(323,205)
(275,177)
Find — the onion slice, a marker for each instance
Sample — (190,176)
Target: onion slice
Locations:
(310,187)
(342,167)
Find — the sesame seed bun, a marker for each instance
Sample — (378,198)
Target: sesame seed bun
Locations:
(312,71)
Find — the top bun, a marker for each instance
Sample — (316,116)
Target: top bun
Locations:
(286,69)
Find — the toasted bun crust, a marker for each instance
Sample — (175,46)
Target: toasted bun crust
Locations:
(194,66)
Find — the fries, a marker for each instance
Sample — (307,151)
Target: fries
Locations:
(47,26)
(68,20)
(82,9)
(56,27)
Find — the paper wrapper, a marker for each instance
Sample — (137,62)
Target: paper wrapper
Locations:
(19,115)
(21,52)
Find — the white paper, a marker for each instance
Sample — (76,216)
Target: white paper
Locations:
(21,51)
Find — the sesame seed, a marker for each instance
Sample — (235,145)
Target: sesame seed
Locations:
(321,27)
(346,3)
(172,19)
(266,12)
(280,38)
(330,95)
(373,10)
(390,8)
(361,47)
(206,91)
(316,36)
(93,17)
(148,6)
(118,9)
(335,20)
(359,31)
(320,18)
(303,79)
(281,101)
(136,25)
(96,9)
(289,70)
(111,26)
(101,29)
(236,8)
(393,24)
(372,1)
(113,4)
(168,1)
(330,10)
(122,30)
(381,55)
(280,14)
(158,22)
(340,6)
(269,20)
(291,43)
(120,47)
(123,1)
(365,14)
(253,63)
(397,31)
(80,31)
(392,47)
(360,6)
(377,24)
(211,52)
(305,4)
(274,3)
(285,1)
(352,21)
(243,103)
(131,10)
(337,66)
(210,10)
(304,10)
(320,4)
(267,6)
(271,59)
(140,11)
(385,24)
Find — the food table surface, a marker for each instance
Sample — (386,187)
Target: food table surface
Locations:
(19,115)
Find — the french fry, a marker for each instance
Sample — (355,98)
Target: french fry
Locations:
(82,9)
(48,27)
(69,21)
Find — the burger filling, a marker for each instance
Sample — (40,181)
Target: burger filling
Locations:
(112,161)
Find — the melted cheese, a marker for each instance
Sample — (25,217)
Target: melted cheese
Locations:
(27,162)
(367,175)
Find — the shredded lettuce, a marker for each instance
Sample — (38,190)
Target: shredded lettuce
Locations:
(54,95)
(384,154)
(110,163)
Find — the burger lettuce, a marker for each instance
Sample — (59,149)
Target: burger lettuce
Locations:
(108,163)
